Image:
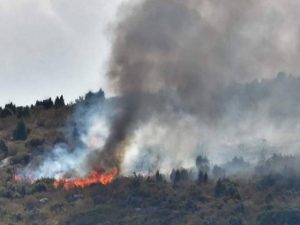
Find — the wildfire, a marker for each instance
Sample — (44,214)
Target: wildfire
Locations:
(17,178)
(95,177)
(20,178)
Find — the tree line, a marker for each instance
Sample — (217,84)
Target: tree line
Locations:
(11,109)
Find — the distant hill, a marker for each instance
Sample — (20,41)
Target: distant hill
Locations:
(270,195)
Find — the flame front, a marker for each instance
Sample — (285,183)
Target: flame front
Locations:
(95,177)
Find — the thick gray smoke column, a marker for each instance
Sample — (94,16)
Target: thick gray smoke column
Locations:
(184,72)
(186,52)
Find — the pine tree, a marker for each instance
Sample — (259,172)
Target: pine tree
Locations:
(202,163)
(62,101)
(56,102)
(205,178)
(158,176)
(200,177)
(59,102)
(177,177)
(21,131)
(219,188)
(48,103)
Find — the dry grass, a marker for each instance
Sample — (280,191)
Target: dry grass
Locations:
(127,200)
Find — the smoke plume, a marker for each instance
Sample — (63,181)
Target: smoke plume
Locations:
(197,77)
(186,55)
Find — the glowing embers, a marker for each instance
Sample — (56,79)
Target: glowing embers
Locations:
(95,177)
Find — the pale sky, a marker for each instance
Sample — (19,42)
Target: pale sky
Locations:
(53,47)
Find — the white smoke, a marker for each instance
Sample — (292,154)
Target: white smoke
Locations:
(91,133)
(56,164)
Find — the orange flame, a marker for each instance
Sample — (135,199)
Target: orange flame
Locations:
(95,177)
(17,178)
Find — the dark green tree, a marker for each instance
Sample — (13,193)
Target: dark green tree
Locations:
(92,97)
(202,177)
(46,104)
(202,164)
(205,178)
(158,176)
(219,172)
(59,102)
(23,111)
(56,102)
(177,176)
(5,113)
(11,107)
(62,100)
(219,188)
(8,110)
(21,131)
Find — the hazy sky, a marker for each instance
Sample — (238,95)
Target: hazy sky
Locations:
(53,47)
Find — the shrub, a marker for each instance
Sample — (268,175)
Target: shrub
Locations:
(34,142)
(158,176)
(38,187)
(279,182)
(226,188)
(219,172)
(16,217)
(136,181)
(219,188)
(195,193)
(202,177)
(289,216)
(235,220)
(5,193)
(3,150)
(22,159)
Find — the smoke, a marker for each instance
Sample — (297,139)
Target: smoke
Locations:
(196,77)
(193,46)
(188,54)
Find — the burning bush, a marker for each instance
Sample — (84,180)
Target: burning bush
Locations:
(95,177)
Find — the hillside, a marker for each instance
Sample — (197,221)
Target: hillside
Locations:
(270,195)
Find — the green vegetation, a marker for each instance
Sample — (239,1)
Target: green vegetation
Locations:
(3,150)
(59,102)
(226,188)
(21,131)
(286,216)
